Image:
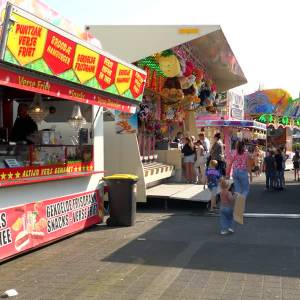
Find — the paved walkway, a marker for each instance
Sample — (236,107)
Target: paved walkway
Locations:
(170,255)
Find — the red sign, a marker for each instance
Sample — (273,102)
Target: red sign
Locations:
(106,72)
(35,224)
(40,171)
(137,84)
(59,52)
(29,83)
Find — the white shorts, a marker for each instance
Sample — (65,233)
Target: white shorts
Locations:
(213,191)
(189,159)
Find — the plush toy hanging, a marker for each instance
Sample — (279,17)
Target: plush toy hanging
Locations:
(189,68)
(169,63)
(172,89)
(187,82)
(144,112)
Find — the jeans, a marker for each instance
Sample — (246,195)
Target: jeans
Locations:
(270,179)
(241,182)
(222,167)
(279,179)
(226,217)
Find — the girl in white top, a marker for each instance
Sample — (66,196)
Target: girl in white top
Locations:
(200,164)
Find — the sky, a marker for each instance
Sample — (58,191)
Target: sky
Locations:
(263,34)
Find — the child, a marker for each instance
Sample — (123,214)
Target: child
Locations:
(296,163)
(212,178)
(269,168)
(200,164)
(226,210)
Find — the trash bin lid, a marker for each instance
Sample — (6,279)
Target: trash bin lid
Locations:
(121,176)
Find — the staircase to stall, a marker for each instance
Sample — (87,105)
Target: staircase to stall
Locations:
(155,171)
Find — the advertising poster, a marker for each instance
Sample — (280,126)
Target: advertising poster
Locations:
(125,122)
(34,224)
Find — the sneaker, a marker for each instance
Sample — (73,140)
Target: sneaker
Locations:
(224,232)
(230,230)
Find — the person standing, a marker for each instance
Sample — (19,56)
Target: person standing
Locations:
(200,163)
(279,169)
(257,156)
(241,165)
(212,179)
(217,153)
(178,138)
(296,163)
(24,125)
(269,167)
(205,142)
(226,208)
(188,151)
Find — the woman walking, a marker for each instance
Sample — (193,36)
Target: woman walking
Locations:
(188,151)
(296,163)
(241,165)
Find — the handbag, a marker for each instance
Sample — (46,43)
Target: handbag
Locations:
(239,208)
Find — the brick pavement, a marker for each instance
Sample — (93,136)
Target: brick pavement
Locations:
(167,255)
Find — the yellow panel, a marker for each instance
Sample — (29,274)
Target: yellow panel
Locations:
(85,63)
(123,78)
(26,40)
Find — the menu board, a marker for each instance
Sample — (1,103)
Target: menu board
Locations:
(37,45)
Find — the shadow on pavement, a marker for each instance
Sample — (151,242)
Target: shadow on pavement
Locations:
(260,246)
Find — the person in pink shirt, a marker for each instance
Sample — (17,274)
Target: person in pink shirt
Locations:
(241,165)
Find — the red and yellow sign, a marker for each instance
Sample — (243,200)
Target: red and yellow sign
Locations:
(106,72)
(26,40)
(123,78)
(40,171)
(137,84)
(32,225)
(85,63)
(39,46)
(59,52)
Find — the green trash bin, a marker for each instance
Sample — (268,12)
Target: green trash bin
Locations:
(121,198)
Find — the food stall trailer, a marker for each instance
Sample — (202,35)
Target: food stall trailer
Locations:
(171,55)
(51,183)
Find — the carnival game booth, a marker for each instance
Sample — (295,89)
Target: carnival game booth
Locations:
(54,87)
(229,121)
(187,66)
(274,108)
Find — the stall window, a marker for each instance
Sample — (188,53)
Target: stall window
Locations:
(46,146)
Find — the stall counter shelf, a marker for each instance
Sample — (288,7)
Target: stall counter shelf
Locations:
(26,164)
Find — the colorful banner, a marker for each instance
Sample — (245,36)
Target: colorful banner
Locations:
(39,46)
(34,224)
(33,84)
(13,174)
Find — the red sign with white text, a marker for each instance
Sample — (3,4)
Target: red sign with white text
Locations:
(106,72)
(137,84)
(30,83)
(59,52)
(34,224)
